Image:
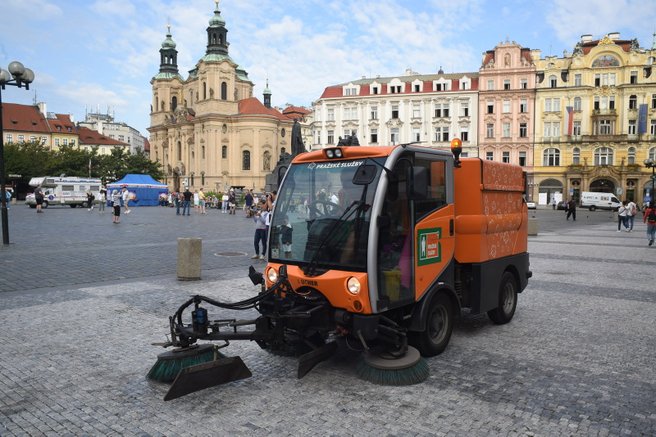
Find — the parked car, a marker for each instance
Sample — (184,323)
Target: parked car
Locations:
(531,205)
(562,205)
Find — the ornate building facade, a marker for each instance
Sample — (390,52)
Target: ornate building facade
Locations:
(208,130)
(595,119)
(412,108)
(506,102)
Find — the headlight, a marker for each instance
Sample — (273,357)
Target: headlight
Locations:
(338,153)
(353,285)
(330,153)
(272,275)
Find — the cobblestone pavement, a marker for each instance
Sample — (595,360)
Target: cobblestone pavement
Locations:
(81,300)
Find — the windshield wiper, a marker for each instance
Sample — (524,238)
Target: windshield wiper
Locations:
(309,270)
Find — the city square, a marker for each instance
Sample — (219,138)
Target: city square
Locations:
(82,301)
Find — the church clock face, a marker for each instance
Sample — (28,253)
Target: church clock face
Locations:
(282,132)
(224,128)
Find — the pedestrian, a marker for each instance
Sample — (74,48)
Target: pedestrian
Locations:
(90,199)
(649,217)
(260,219)
(38,198)
(196,201)
(232,202)
(248,199)
(102,199)
(177,202)
(224,203)
(201,200)
(622,217)
(116,206)
(571,209)
(7,197)
(631,211)
(126,198)
(186,203)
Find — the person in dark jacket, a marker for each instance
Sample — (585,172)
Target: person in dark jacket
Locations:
(571,209)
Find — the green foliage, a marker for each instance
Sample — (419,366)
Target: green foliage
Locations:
(34,160)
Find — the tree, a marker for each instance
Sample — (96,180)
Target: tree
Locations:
(27,159)
(139,162)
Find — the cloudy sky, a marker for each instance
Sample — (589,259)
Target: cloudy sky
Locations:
(90,55)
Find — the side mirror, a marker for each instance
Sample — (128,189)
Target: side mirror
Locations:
(364,175)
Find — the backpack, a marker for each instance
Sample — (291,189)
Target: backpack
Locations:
(651,218)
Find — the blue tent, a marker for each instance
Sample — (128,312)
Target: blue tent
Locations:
(146,189)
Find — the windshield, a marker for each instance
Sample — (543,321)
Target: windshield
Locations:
(321,217)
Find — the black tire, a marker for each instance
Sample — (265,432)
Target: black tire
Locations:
(32,206)
(73,205)
(439,325)
(507,300)
(44,205)
(592,207)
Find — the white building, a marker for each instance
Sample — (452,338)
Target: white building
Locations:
(105,125)
(413,108)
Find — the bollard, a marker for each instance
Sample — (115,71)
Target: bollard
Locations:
(533,226)
(189,255)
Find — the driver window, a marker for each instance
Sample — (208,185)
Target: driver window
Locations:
(433,195)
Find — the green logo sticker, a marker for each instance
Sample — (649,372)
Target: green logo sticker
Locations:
(429,248)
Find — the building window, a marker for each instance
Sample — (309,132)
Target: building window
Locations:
(21,139)
(395,110)
(417,88)
(633,101)
(64,141)
(552,129)
(464,109)
(374,112)
(441,110)
(632,127)
(551,157)
(506,84)
(441,134)
(204,91)
(523,106)
(652,154)
(523,130)
(464,84)
(553,81)
(224,152)
(506,130)
(523,83)
(489,130)
(522,159)
(490,107)
(245,160)
(653,101)
(576,129)
(577,103)
(552,105)
(330,114)
(634,77)
(632,155)
(490,84)
(652,128)
(374,136)
(394,137)
(416,110)
(577,80)
(464,134)
(603,156)
(202,152)
(505,157)
(331,137)
(10,138)
(605,127)
(489,156)
(416,134)
(576,156)
(179,151)
(506,106)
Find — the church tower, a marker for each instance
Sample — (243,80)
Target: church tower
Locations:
(217,34)
(168,55)
(267,95)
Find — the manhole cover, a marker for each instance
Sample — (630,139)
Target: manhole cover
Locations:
(230,254)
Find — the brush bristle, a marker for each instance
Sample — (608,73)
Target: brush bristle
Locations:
(414,374)
(166,369)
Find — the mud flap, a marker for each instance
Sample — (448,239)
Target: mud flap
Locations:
(206,375)
(306,362)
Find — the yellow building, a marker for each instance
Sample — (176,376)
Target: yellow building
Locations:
(208,130)
(595,120)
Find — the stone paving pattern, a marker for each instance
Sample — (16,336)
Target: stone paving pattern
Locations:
(82,300)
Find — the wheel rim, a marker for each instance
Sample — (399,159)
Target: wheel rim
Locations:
(437,325)
(508,298)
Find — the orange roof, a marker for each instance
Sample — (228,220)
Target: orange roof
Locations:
(90,137)
(252,106)
(23,118)
(61,123)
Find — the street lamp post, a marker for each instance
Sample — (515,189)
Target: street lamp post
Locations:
(650,163)
(17,76)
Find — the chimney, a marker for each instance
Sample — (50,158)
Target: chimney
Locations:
(614,35)
(586,38)
(42,108)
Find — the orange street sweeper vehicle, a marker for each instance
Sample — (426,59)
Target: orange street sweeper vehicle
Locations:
(378,248)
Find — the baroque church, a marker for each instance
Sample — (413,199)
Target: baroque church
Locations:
(208,131)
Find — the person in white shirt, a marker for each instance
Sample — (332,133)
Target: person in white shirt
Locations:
(631,211)
(126,199)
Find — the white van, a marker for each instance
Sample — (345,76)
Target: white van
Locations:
(70,191)
(592,201)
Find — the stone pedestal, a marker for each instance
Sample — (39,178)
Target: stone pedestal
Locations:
(533,226)
(189,258)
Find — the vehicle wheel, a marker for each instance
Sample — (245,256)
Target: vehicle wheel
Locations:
(32,206)
(73,205)
(592,207)
(439,325)
(507,300)
(44,205)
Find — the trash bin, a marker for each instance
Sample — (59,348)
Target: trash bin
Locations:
(189,258)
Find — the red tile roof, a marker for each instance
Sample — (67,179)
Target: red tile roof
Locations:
(252,106)
(23,118)
(61,124)
(90,137)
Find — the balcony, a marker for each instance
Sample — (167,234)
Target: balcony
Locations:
(598,112)
(605,137)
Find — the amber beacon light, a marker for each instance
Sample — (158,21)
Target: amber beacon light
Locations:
(456,149)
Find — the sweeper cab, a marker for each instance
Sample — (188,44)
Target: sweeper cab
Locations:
(374,248)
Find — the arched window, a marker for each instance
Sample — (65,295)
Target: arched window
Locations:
(179,151)
(246,160)
(204,91)
(551,157)
(603,156)
(202,152)
(631,155)
(224,91)
(652,153)
(577,103)
(156,103)
(553,81)
(174,103)
(576,156)
(224,152)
